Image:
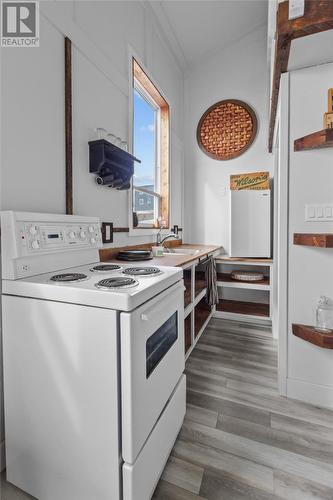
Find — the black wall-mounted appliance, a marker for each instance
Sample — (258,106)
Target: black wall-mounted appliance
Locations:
(113,166)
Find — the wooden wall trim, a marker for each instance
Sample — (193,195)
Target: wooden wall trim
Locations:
(68,127)
(318,16)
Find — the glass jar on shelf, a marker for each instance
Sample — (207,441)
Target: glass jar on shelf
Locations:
(112,138)
(324,314)
(101,132)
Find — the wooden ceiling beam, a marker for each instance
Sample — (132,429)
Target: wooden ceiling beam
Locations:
(318,16)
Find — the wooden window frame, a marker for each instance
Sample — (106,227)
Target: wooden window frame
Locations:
(140,75)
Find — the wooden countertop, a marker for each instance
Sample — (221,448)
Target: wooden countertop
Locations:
(174,260)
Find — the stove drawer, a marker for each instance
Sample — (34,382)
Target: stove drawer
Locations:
(152,362)
(141,478)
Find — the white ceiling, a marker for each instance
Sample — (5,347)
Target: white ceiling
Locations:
(198,29)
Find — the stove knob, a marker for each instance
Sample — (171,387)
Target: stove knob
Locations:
(72,235)
(33,230)
(91,229)
(35,244)
(82,235)
(92,241)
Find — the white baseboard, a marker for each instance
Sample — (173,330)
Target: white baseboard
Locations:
(315,394)
(2,456)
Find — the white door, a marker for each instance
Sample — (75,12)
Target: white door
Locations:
(152,362)
(250,223)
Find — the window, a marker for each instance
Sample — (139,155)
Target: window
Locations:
(151,145)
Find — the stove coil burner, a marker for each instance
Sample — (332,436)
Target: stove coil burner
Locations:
(142,271)
(116,283)
(104,268)
(69,277)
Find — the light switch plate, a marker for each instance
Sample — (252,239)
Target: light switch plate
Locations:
(107,232)
(319,213)
(296,9)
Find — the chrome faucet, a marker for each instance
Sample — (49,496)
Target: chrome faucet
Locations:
(160,240)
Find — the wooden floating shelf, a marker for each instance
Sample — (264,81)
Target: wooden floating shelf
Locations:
(310,334)
(241,307)
(320,240)
(317,140)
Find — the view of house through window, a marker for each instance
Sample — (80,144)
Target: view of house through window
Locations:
(145,147)
(151,146)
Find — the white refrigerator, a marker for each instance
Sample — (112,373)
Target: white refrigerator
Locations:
(250,223)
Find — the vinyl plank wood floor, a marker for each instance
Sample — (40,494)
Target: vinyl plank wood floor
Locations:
(240,439)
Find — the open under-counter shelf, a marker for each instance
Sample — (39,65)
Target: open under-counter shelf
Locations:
(200,282)
(242,307)
(197,312)
(320,240)
(224,279)
(310,334)
(317,140)
(187,294)
(188,287)
(188,332)
(202,313)
(244,300)
(224,259)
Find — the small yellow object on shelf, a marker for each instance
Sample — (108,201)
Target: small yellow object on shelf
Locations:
(330,100)
(328,120)
(328,117)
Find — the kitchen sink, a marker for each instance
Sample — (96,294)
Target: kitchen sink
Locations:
(182,251)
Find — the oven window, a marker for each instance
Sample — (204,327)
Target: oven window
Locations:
(160,342)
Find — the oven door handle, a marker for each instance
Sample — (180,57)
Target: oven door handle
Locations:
(145,316)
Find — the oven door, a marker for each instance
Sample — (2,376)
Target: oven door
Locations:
(152,362)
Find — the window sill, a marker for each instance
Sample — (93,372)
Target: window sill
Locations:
(142,231)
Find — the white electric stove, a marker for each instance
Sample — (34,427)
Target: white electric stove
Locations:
(93,362)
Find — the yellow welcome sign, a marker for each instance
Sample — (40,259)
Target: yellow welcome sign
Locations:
(255,180)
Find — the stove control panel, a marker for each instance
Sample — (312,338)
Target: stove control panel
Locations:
(36,243)
(41,237)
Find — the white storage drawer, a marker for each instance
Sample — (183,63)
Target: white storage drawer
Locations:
(140,479)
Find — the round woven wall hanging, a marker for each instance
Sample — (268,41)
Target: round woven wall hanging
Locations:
(227,129)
